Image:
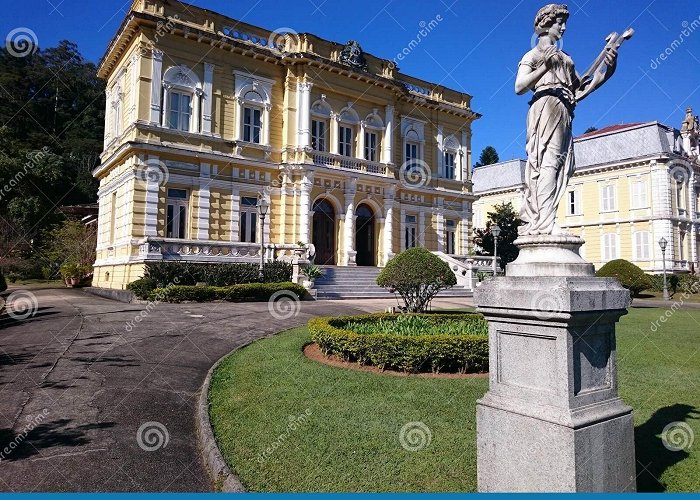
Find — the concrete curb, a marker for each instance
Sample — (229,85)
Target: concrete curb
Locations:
(110,293)
(224,479)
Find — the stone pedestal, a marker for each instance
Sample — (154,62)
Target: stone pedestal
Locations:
(552,419)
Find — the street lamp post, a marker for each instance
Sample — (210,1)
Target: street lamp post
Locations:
(662,244)
(262,207)
(495,232)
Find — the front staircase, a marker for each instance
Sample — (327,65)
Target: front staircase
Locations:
(339,282)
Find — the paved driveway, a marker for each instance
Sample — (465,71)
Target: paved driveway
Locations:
(77,382)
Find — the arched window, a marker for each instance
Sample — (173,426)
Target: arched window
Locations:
(181,99)
(321,113)
(348,121)
(450,152)
(412,132)
(373,126)
(254,104)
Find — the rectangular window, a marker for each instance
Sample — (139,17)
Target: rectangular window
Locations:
(370,146)
(574,203)
(609,247)
(411,154)
(608,198)
(639,194)
(641,245)
(345,141)
(176,214)
(251,125)
(249,218)
(450,237)
(113,219)
(449,164)
(410,232)
(179,111)
(318,135)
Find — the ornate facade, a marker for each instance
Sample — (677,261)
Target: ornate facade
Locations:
(633,185)
(207,115)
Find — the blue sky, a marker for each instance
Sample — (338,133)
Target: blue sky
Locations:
(475,48)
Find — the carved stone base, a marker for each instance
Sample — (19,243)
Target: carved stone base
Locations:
(549,255)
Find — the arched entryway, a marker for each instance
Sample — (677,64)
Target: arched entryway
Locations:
(324,232)
(365,237)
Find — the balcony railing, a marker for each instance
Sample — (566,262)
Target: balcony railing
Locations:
(153,248)
(353,164)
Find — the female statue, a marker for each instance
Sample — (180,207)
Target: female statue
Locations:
(549,73)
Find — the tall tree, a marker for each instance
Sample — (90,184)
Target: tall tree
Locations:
(488,157)
(508,220)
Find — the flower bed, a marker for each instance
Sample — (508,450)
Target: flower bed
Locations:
(408,342)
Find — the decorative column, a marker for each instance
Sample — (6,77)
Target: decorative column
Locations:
(196,110)
(156,85)
(402,225)
(235,214)
(266,124)
(421,228)
(388,142)
(349,229)
(207,97)
(361,140)
(440,155)
(464,227)
(153,173)
(134,92)
(389,194)
(303,111)
(306,184)
(204,202)
(108,117)
(464,157)
(334,131)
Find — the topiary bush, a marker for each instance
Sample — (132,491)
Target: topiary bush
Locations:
(142,287)
(629,275)
(246,292)
(190,273)
(417,275)
(410,352)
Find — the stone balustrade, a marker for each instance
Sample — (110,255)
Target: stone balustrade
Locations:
(352,164)
(153,248)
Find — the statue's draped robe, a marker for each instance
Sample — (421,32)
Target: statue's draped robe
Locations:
(550,145)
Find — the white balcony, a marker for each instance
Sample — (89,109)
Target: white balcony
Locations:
(351,164)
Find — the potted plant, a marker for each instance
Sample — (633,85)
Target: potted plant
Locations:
(312,273)
(300,251)
(71,273)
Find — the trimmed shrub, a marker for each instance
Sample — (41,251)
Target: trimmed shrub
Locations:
(247,292)
(3,283)
(410,353)
(629,275)
(417,275)
(142,287)
(656,282)
(190,273)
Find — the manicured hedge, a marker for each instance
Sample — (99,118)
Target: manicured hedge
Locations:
(414,353)
(142,287)
(190,273)
(629,275)
(247,292)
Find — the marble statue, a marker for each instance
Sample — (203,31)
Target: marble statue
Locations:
(549,72)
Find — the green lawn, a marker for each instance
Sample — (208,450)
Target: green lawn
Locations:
(285,423)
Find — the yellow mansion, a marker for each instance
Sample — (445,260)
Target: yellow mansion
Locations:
(206,116)
(633,185)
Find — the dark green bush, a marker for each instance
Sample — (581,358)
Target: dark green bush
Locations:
(410,353)
(630,276)
(689,283)
(417,275)
(246,292)
(3,283)
(190,273)
(657,282)
(142,287)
